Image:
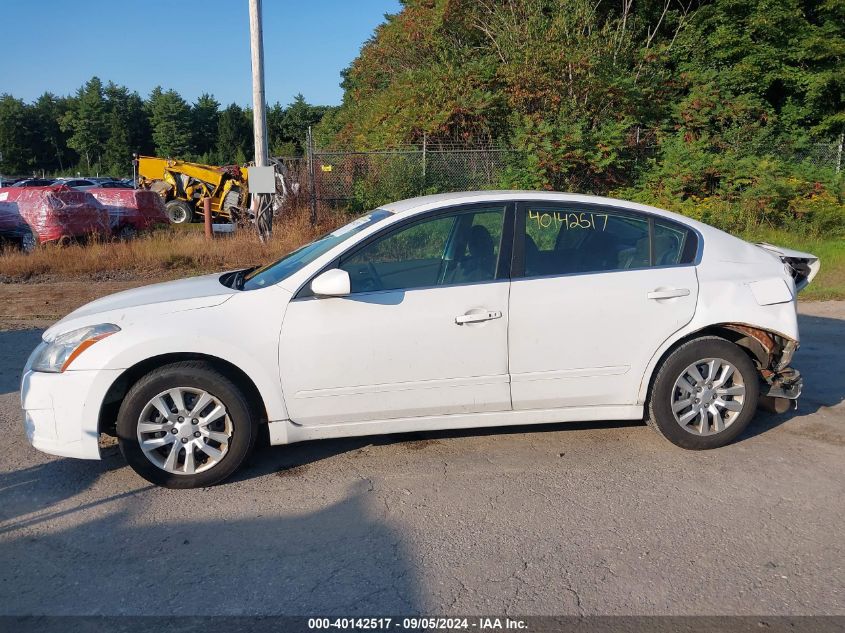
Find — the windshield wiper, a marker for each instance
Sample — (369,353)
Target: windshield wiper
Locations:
(240,277)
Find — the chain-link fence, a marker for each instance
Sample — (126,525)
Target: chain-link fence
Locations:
(327,179)
(342,177)
(823,155)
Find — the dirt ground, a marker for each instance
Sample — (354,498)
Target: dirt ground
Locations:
(40,304)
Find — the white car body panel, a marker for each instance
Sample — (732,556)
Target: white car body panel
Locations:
(574,351)
(563,349)
(395,354)
(62,410)
(243,331)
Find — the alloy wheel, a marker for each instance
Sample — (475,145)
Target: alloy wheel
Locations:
(184,430)
(708,396)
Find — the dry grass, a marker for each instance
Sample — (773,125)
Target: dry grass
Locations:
(166,253)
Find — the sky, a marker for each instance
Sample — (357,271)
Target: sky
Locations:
(192,46)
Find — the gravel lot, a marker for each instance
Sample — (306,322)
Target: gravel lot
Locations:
(599,518)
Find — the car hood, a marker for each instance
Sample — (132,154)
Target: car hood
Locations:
(145,302)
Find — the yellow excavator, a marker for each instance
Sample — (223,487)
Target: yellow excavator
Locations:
(183,186)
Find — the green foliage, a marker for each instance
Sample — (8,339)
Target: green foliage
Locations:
(170,119)
(127,128)
(287,127)
(395,177)
(86,122)
(234,135)
(15,136)
(49,142)
(205,115)
(704,107)
(99,128)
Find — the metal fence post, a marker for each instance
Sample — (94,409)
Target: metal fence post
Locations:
(424,157)
(312,177)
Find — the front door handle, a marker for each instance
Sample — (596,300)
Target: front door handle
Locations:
(478,317)
(668,293)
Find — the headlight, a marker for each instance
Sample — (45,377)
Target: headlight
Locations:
(56,355)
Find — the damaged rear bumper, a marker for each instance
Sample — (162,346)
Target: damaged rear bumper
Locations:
(786,383)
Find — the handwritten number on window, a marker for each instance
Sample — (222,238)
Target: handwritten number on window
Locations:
(569,220)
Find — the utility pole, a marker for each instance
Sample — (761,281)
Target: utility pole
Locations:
(261,203)
(312,176)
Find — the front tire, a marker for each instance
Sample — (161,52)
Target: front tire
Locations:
(704,395)
(179,212)
(186,425)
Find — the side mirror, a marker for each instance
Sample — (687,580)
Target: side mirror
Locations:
(332,283)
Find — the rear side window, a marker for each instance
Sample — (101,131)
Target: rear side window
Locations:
(673,244)
(561,240)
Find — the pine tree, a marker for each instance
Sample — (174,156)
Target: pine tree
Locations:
(15,137)
(170,119)
(86,121)
(205,113)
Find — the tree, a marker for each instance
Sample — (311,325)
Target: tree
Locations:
(15,137)
(234,135)
(280,145)
(298,117)
(565,82)
(49,141)
(86,122)
(205,114)
(170,119)
(127,126)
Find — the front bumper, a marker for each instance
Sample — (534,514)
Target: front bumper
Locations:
(61,411)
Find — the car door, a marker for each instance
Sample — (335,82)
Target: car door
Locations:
(423,331)
(596,291)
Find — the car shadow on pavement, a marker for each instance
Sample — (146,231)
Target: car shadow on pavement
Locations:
(37,493)
(16,346)
(294,459)
(342,558)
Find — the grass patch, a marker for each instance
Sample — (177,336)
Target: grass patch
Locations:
(830,282)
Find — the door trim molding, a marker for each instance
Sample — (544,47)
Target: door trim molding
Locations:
(416,385)
(581,372)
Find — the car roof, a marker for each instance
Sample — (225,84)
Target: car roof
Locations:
(412,206)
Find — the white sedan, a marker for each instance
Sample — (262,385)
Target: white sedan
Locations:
(461,310)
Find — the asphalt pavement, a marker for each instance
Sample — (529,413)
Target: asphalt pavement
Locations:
(598,518)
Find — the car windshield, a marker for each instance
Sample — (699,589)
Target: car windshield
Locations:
(294,261)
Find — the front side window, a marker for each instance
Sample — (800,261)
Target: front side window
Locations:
(561,240)
(455,248)
(294,261)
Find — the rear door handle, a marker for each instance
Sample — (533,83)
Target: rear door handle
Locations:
(478,317)
(668,293)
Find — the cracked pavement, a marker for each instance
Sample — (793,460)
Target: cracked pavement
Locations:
(597,518)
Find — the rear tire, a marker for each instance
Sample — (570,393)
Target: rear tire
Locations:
(29,242)
(127,232)
(186,425)
(179,212)
(704,395)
